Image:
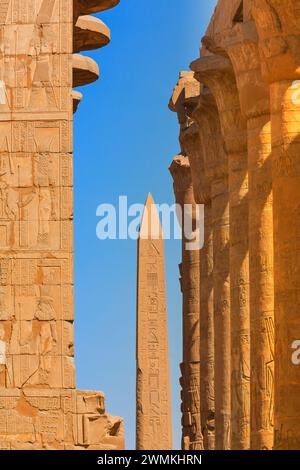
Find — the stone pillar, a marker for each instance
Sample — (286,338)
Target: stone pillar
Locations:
(40,405)
(186,94)
(217,74)
(241,45)
(206,116)
(191,143)
(192,438)
(279,36)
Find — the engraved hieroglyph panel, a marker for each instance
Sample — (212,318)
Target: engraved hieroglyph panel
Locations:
(35,64)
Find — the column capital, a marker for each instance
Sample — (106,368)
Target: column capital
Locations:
(278,26)
(217,73)
(77,98)
(85,70)
(240,44)
(206,116)
(86,7)
(185,97)
(181,173)
(190,140)
(184,101)
(90,33)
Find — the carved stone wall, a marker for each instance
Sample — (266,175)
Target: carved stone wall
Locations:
(249,65)
(40,407)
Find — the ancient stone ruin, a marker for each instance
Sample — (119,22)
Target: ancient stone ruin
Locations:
(40,407)
(239,117)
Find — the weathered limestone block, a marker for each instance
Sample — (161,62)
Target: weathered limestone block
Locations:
(241,45)
(216,72)
(192,438)
(279,38)
(40,407)
(153,403)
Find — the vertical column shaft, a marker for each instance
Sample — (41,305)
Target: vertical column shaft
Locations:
(207,353)
(191,142)
(261,281)
(278,26)
(192,436)
(241,45)
(217,73)
(239,287)
(285,117)
(215,159)
(221,281)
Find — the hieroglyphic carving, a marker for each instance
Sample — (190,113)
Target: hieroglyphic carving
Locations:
(257,96)
(39,405)
(192,438)
(217,73)
(278,30)
(153,406)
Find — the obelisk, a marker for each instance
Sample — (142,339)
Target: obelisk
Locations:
(153,398)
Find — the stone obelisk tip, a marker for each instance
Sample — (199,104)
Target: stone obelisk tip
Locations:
(150,227)
(149,200)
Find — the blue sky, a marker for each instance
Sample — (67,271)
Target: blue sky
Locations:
(124,139)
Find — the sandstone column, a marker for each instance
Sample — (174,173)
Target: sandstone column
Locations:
(186,94)
(279,34)
(207,118)
(240,43)
(205,140)
(40,407)
(153,402)
(191,142)
(192,438)
(204,145)
(217,74)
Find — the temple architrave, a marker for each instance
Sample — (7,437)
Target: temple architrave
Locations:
(239,115)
